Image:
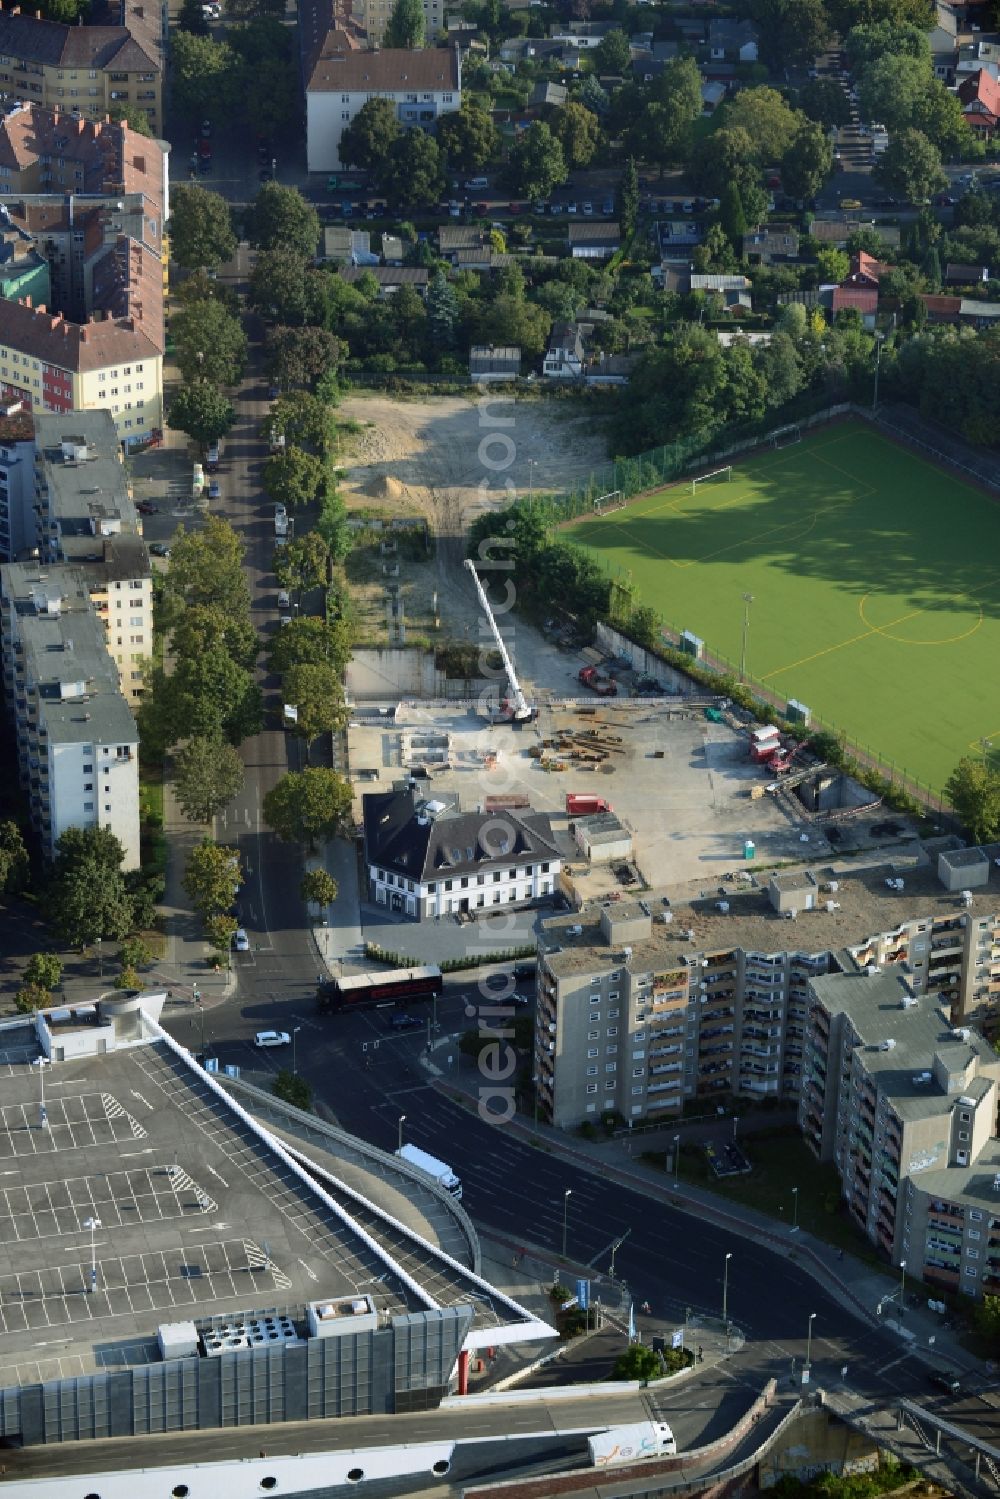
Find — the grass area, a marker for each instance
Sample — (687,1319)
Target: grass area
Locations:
(875,587)
(781,1161)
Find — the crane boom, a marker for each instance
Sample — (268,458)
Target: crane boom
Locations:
(518,699)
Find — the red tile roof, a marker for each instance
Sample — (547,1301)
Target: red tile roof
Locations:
(864,298)
(980,96)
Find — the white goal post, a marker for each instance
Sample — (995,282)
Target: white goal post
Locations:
(782,437)
(613,500)
(717,473)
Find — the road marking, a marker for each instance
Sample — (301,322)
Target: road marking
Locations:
(309,1270)
(125,1153)
(215,1173)
(141,1099)
(892,1364)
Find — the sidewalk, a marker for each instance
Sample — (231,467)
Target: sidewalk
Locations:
(858,1286)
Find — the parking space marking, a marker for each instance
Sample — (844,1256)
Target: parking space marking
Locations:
(153,1193)
(74,1123)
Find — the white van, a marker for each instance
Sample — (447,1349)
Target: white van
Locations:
(272,1038)
(197,481)
(476,184)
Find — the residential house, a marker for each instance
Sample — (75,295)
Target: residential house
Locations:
(712,95)
(976,314)
(349,246)
(484,259)
(732,41)
(735,291)
(489,365)
(678,235)
(648,65)
(980,100)
(547,95)
(859,289)
(583,34)
(835,230)
(424,860)
(340,78)
(770,243)
(941,309)
(564,356)
(393,249)
(371,17)
(609,369)
(944,44)
(591,241)
(957,274)
(97,340)
(455,237)
(84,70)
(531,49)
(389,277)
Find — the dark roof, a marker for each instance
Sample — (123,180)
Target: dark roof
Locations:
(126,557)
(386,275)
(594,234)
(957,271)
(57,46)
(399,837)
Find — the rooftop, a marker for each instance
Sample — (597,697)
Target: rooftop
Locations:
(341,66)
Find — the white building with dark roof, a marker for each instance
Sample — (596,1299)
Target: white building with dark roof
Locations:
(425,860)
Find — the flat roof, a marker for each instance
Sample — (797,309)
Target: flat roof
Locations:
(864,907)
(198,1213)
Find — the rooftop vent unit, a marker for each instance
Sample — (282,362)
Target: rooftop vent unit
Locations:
(969,1103)
(575,931)
(921,1079)
(887,1045)
(723,906)
(961,1033)
(908,1001)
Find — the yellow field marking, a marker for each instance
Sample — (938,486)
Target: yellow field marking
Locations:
(828,650)
(977,744)
(903,640)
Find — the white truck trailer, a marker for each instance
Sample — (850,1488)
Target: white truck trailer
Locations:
(631,1444)
(437,1170)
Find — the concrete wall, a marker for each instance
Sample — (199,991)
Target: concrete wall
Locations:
(379,673)
(616,644)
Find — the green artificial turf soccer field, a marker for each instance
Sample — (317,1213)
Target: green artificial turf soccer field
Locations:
(875,579)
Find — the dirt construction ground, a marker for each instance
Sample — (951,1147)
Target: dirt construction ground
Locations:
(449,457)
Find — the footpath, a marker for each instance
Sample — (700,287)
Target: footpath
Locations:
(860,1287)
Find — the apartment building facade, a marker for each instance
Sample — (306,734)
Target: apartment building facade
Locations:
(712,997)
(17,481)
(340,78)
(904,1104)
(99,341)
(86,70)
(85,518)
(77,741)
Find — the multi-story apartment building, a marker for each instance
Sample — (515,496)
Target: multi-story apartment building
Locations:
(77,741)
(85,518)
(91,200)
(17,482)
(425,859)
(905,1106)
(339,78)
(85,70)
(712,996)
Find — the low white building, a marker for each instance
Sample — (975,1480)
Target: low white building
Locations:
(425,860)
(341,78)
(564,355)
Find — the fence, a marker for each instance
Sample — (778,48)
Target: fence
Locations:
(907,426)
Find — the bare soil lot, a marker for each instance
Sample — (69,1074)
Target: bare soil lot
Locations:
(447,458)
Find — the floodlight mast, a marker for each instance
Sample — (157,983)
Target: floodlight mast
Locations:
(518,700)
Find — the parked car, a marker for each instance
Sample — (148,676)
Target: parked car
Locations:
(160,549)
(214,490)
(241,941)
(146,507)
(206,129)
(272,1038)
(284,599)
(945,1381)
(405,1022)
(588,207)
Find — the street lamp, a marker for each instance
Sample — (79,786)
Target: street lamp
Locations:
(902,1286)
(809,1342)
(677,1159)
(566,1197)
(879,341)
(93,1224)
(43,1114)
(402,1121)
(725,1290)
(534,1096)
(295,1032)
(795,1210)
(100,958)
(747,601)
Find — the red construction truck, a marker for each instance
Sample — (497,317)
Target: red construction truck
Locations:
(603,686)
(764,743)
(581,804)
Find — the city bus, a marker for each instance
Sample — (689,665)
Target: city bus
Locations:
(394,986)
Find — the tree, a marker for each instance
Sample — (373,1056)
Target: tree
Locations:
(29,999)
(212,878)
(292,1089)
(309,639)
(910,166)
(202,73)
(304,562)
(661,129)
(535,162)
(211,344)
(826,102)
(366,141)
(220,929)
(973,788)
(318,888)
(442,313)
(406,26)
(251,10)
(208,773)
(133,116)
(890,87)
(43,970)
(767,120)
(792,32)
(304,421)
(628,197)
(201,231)
(192,18)
(515,321)
(89,895)
(315,690)
(14,863)
(726,155)
(806,164)
(731,215)
(300,356)
(834,265)
(210,696)
(468,137)
(134,953)
(592,95)
(284,288)
(867,42)
(206,568)
(845,14)
(578,132)
(265,81)
(293,477)
(987,1316)
(281,219)
(939,115)
(308,805)
(637,1362)
(792,320)
(613,54)
(200,411)
(411,175)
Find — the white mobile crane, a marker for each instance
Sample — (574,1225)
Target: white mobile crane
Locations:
(516,705)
